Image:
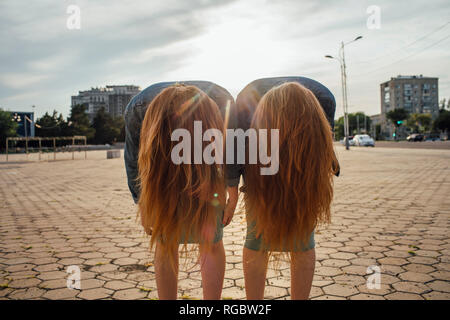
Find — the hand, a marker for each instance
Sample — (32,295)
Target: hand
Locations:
(148,231)
(230,207)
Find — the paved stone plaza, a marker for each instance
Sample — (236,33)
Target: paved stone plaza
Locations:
(391,209)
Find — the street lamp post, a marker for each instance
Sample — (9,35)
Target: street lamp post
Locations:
(344,87)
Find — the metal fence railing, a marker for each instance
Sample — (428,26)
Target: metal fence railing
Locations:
(47,144)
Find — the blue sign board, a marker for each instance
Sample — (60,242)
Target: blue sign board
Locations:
(24,118)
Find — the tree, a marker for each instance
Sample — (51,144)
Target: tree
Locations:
(412,124)
(78,123)
(419,122)
(358,122)
(51,125)
(443,121)
(424,120)
(8,128)
(105,129)
(397,116)
(355,120)
(444,104)
(378,134)
(339,132)
(119,123)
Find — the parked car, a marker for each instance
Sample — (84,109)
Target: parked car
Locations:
(351,142)
(432,137)
(414,137)
(363,140)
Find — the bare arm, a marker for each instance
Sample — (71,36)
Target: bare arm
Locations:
(233,195)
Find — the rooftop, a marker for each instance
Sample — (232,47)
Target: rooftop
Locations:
(412,77)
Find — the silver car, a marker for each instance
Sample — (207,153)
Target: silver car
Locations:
(363,140)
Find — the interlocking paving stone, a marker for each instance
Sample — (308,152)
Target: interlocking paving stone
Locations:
(416,277)
(50,275)
(335,263)
(24,283)
(349,280)
(403,296)
(444,275)
(328,271)
(65,213)
(365,296)
(328,297)
(413,287)
(118,285)
(27,294)
(358,270)
(340,290)
(93,294)
(383,290)
(438,285)
(22,275)
(435,295)
(273,292)
(58,294)
(53,284)
(315,292)
(234,293)
(130,294)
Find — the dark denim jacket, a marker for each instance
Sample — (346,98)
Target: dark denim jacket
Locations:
(240,116)
(135,112)
(248,99)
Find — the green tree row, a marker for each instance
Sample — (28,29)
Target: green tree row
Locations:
(8,128)
(420,122)
(415,122)
(104,128)
(357,123)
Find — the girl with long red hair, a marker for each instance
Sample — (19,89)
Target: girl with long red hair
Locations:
(181,203)
(284,209)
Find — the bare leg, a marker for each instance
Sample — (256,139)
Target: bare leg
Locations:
(166,276)
(255,270)
(302,273)
(212,264)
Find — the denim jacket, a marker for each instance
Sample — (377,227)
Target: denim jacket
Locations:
(248,99)
(135,112)
(240,115)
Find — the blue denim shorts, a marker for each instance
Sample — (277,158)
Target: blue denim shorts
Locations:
(254,243)
(218,233)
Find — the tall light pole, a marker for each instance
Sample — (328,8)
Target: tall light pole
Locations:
(341,60)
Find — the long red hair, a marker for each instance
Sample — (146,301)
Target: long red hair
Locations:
(289,205)
(178,201)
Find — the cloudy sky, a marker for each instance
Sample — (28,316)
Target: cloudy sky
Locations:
(230,42)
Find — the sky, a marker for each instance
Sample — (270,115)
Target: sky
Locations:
(43,62)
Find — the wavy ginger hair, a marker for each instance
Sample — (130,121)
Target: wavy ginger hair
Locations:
(178,201)
(288,206)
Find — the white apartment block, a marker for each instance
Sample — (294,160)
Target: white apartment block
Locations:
(113,98)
